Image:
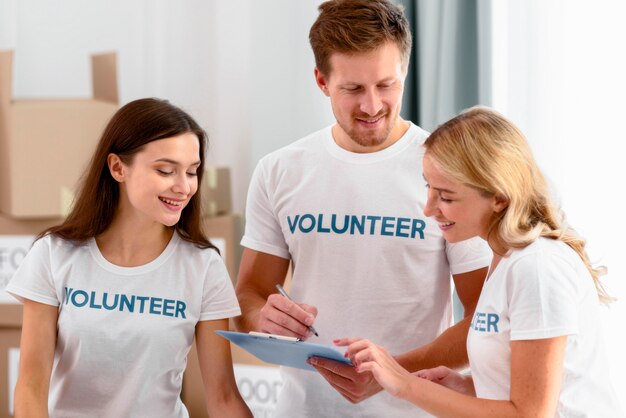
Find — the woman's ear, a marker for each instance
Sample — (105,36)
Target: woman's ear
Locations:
(116,167)
(500,203)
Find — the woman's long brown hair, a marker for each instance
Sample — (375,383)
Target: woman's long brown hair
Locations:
(129,130)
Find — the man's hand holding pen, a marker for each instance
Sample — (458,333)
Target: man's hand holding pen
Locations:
(282,316)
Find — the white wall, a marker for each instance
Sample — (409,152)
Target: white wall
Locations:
(559,73)
(242,68)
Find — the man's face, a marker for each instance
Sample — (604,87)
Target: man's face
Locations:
(365,91)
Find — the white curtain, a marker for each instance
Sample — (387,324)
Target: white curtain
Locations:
(559,73)
(450,70)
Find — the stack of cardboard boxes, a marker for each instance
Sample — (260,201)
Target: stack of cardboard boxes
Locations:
(45,146)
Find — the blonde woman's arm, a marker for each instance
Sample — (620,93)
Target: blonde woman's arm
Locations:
(536,369)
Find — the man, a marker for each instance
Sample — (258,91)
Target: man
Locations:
(345,206)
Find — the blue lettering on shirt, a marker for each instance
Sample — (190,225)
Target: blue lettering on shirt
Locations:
(311,225)
(388,222)
(400,226)
(335,228)
(79,298)
(357,225)
(485,322)
(125,303)
(105,296)
(168,307)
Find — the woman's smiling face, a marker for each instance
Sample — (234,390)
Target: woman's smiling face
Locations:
(161,179)
(461,211)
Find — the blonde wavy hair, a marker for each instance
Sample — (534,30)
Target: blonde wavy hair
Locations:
(484,150)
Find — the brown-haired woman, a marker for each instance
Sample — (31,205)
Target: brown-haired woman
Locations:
(114,296)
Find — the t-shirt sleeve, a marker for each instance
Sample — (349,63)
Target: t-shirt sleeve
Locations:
(263,232)
(542,295)
(468,255)
(33,278)
(218,300)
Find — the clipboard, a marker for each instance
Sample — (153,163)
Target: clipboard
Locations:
(286,351)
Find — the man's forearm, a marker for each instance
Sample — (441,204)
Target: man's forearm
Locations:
(251,305)
(449,349)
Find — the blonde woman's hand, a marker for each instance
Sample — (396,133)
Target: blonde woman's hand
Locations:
(368,357)
(449,378)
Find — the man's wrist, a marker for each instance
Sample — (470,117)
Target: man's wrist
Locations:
(413,360)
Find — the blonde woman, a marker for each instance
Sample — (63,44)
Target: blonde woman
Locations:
(534,344)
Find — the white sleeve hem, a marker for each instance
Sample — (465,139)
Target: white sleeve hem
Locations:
(21,294)
(265,248)
(230,313)
(470,265)
(542,333)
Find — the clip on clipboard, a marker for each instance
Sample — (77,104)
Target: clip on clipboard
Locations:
(286,351)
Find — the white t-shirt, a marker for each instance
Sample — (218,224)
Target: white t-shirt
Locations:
(123,332)
(543,291)
(363,253)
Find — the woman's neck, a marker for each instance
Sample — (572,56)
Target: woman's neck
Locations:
(129,243)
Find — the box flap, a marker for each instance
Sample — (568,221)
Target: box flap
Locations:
(10,315)
(6,77)
(104,77)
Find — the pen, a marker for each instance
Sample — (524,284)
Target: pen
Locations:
(282,292)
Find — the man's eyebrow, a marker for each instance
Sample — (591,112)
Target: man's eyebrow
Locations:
(354,83)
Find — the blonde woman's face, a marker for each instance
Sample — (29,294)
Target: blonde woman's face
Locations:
(462,212)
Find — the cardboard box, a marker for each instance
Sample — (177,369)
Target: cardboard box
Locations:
(225,233)
(10,324)
(216,191)
(16,237)
(15,240)
(45,145)
(9,226)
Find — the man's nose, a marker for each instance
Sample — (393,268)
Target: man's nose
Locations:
(371,103)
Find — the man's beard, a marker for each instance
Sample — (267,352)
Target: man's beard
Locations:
(373,139)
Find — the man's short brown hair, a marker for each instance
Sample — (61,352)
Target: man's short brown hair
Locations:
(356,26)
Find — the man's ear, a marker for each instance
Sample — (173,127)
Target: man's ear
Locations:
(500,203)
(116,167)
(322,81)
